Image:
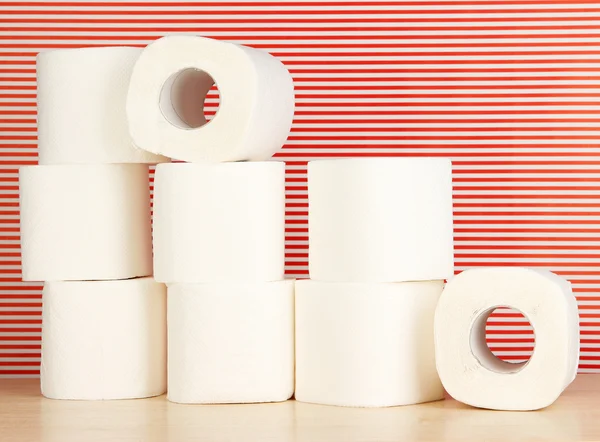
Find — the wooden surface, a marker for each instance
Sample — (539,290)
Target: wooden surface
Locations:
(26,416)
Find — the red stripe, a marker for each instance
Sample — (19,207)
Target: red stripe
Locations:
(312,20)
(20,321)
(524,222)
(580,180)
(509,332)
(417,90)
(200,29)
(20,355)
(21,372)
(21,330)
(422,129)
(437,80)
(366,69)
(472,113)
(443,62)
(229,4)
(524,247)
(18,363)
(302,54)
(527,163)
(18,313)
(19,304)
(271,46)
(17,112)
(324,12)
(522,172)
(531,256)
(516,263)
(319,73)
(510,340)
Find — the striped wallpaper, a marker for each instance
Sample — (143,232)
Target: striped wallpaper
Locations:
(507,89)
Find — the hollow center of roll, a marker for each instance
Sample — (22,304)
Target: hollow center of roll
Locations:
(497,350)
(189,98)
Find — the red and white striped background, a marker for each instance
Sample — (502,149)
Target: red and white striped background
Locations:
(509,89)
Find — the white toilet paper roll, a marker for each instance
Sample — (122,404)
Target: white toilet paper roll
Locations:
(104,339)
(85,222)
(380,219)
(81,95)
(469,370)
(170,81)
(366,344)
(231,343)
(219,222)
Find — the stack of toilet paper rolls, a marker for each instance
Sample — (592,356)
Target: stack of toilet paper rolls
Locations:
(380,247)
(86,232)
(219,219)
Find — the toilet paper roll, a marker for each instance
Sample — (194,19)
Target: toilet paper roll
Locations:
(366,344)
(469,370)
(231,343)
(219,222)
(81,95)
(380,219)
(103,339)
(85,222)
(169,85)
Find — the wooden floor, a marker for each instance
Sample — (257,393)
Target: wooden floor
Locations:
(26,416)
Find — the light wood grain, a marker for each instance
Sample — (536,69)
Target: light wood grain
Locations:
(26,416)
